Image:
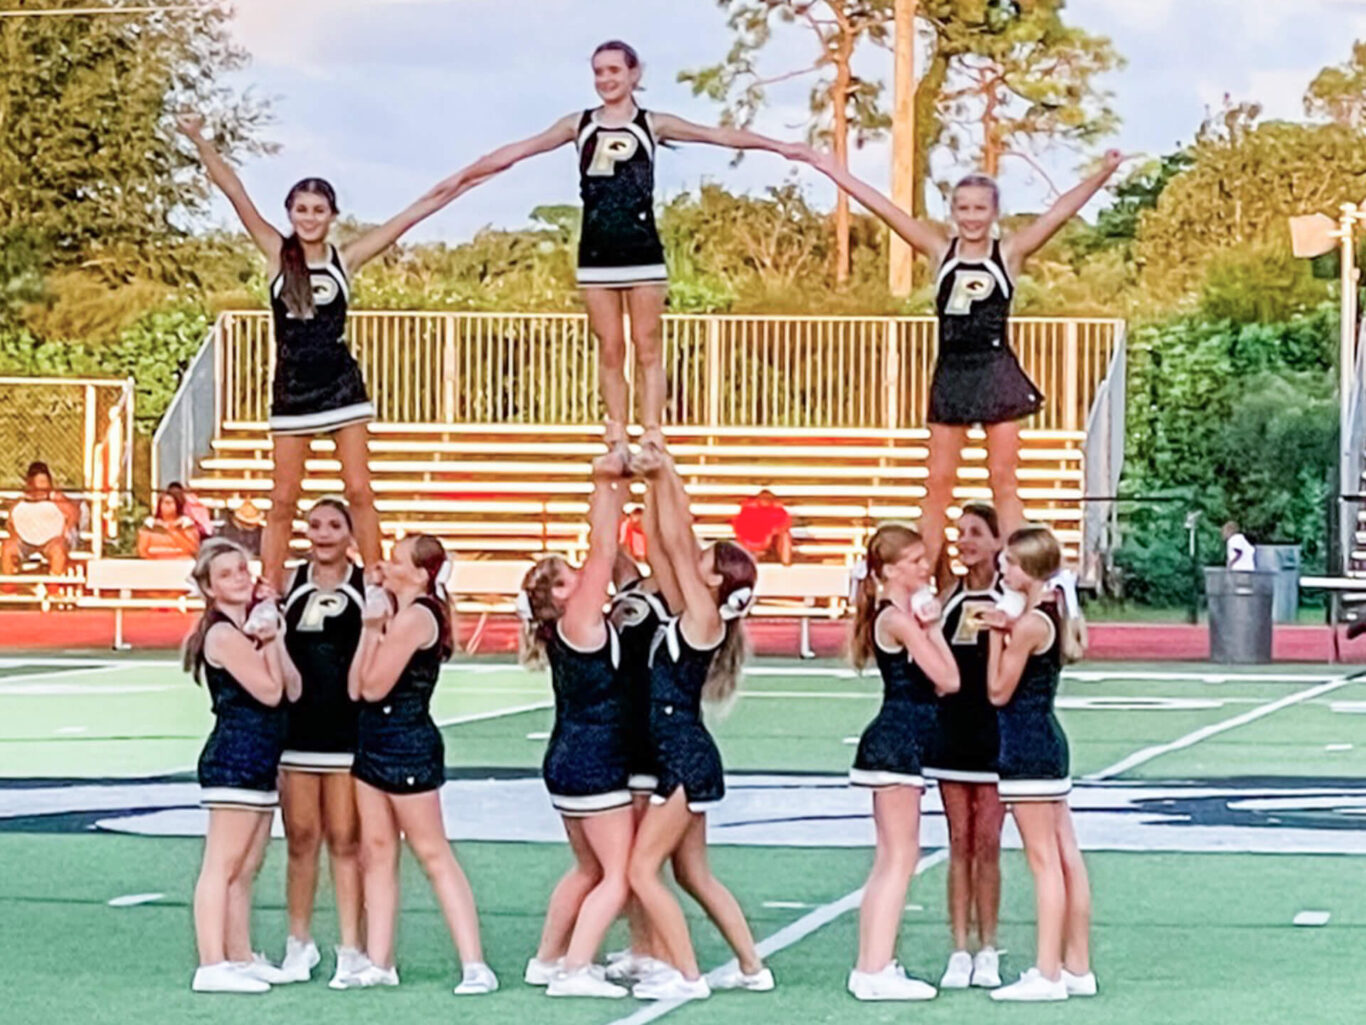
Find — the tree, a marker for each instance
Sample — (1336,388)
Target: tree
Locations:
(841,102)
(1004,76)
(1244,180)
(89,166)
(1031,84)
(1339,93)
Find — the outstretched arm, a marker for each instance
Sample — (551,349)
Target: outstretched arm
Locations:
(361,251)
(927,238)
(1030,239)
(561,132)
(262,232)
(698,609)
(582,622)
(669,128)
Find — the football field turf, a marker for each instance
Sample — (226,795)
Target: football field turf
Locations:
(1215,805)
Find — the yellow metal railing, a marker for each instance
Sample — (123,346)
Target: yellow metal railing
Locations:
(724,371)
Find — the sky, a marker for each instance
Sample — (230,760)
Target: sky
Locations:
(386,97)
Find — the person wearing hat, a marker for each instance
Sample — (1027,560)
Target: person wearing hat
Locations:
(243,526)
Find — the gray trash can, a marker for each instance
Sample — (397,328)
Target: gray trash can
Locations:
(1239,614)
(1284,561)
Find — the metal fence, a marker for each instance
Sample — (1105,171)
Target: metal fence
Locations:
(770,371)
(82,428)
(185,433)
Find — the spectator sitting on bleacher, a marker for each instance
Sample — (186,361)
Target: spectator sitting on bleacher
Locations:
(193,508)
(631,536)
(170,534)
(43,522)
(764,528)
(243,527)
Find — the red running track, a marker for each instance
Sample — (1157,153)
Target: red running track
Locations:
(93,630)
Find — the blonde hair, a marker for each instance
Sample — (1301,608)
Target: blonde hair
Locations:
(538,586)
(192,649)
(888,544)
(1035,550)
(977,180)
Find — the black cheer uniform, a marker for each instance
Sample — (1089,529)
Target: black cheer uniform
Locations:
(1034,761)
(964,750)
(637,613)
(892,749)
(317,385)
(684,752)
(398,748)
(585,764)
(322,631)
(619,244)
(240,761)
(977,379)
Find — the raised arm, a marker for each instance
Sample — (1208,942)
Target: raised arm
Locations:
(930,239)
(267,238)
(669,128)
(561,132)
(680,546)
(361,251)
(1031,238)
(656,553)
(583,622)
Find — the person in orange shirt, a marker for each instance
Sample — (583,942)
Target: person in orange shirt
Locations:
(170,534)
(764,528)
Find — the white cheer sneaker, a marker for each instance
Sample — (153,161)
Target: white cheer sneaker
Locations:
(891,983)
(671,984)
(958,974)
(301,957)
(1032,987)
(588,981)
(1079,985)
(986,968)
(225,977)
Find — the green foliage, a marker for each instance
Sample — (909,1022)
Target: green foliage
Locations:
(89,165)
(153,351)
(1237,422)
(1339,93)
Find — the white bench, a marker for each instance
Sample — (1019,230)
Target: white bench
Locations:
(133,580)
(803,591)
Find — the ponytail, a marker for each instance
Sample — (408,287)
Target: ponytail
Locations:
(865,620)
(296,285)
(192,649)
(537,612)
(429,555)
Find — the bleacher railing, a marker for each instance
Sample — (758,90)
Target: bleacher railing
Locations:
(723,370)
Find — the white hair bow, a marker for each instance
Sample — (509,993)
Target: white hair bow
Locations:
(443,579)
(737,603)
(523,604)
(859,570)
(193,586)
(1065,582)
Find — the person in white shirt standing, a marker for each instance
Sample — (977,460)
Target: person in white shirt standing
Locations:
(1238,550)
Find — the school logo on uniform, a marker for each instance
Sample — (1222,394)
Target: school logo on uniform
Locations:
(970,620)
(969,286)
(610,149)
(325,288)
(322,606)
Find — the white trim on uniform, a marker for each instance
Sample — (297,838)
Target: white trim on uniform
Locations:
(1052,630)
(961,775)
(592,804)
(642,782)
(238,797)
(613,642)
(623,277)
(317,761)
(1034,789)
(878,778)
(696,807)
(324,422)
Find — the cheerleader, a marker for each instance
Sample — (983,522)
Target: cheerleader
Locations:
(697,655)
(400,763)
(317,386)
(977,377)
(247,678)
(895,623)
(1026,656)
(640,606)
(963,758)
(621,260)
(585,767)
(322,611)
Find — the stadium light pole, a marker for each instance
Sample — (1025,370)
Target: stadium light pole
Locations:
(900,257)
(1315,235)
